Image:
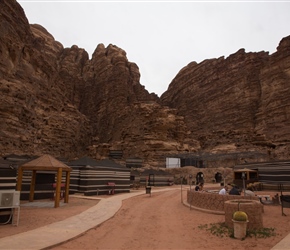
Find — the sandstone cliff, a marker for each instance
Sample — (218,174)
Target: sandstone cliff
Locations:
(56,100)
(239,103)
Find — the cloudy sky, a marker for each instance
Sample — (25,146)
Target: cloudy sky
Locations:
(162,37)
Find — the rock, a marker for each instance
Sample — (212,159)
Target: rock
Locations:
(57,100)
(241,101)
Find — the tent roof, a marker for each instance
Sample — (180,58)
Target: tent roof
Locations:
(135,172)
(154,171)
(45,162)
(87,161)
(109,163)
(245,170)
(84,161)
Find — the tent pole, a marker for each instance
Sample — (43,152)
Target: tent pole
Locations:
(19,179)
(58,187)
(32,186)
(66,194)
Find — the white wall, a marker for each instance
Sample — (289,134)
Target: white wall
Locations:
(172,162)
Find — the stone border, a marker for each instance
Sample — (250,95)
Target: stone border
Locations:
(212,202)
(254,210)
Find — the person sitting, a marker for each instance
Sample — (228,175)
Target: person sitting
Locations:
(199,187)
(249,193)
(235,190)
(224,190)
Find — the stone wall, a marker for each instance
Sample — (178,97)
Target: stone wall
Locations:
(212,201)
(254,210)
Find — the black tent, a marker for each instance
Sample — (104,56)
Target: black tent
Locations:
(156,178)
(93,177)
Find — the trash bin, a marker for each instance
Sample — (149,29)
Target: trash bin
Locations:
(148,190)
(285,202)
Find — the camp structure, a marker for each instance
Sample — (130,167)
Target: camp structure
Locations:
(8,169)
(271,175)
(135,178)
(92,177)
(245,176)
(152,177)
(7,175)
(7,183)
(134,162)
(44,169)
(78,166)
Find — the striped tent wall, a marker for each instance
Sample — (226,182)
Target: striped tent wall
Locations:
(272,174)
(7,178)
(156,178)
(74,185)
(44,179)
(134,162)
(280,175)
(135,177)
(77,167)
(95,180)
(43,186)
(93,177)
(7,182)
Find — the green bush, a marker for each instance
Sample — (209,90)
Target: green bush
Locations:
(221,230)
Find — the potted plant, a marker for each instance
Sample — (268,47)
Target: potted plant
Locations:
(240,221)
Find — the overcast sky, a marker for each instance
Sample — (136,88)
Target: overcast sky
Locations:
(162,37)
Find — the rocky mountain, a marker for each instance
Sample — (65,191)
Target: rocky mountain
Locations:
(56,100)
(239,103)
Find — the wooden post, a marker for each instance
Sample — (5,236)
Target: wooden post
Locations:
(66,194)
(58,188)
(19,179)
(32,186)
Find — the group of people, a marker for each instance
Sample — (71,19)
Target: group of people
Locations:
(235,190)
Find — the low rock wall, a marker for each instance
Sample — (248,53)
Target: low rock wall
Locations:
(212,201)
(253,209)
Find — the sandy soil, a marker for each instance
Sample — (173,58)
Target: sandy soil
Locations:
(32,217)
(159,221)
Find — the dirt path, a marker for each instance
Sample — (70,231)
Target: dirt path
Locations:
(163,222)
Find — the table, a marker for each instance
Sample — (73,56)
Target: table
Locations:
(267,197)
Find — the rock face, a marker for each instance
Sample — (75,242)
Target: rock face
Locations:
(238,103)
(273,116)
(56,100)
(36,115)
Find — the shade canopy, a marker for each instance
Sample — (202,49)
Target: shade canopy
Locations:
(45,163)
(110,163)
(245,170)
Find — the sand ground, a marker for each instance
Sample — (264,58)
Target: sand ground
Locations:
(159,221)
